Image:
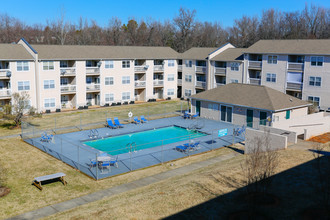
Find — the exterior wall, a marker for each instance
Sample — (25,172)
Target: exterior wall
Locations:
(294,113)
(170,84)
(188,71)
(80,83)
(234,75)
(292,136)
(316,130)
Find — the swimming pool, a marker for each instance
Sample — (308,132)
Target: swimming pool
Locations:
(143,140)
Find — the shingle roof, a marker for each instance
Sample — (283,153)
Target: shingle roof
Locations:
(231,54)
(260,97)
(14,52)
(321,47)
(82,52)
(197,53)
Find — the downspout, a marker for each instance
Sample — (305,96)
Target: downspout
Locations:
(36,77)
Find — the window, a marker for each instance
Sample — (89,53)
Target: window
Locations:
(64,81)
(64,99)
(272,60)
(171,63)
(188,63)
(287,115)
(234,66)
(271,77)
(226,113)
(126,96)
(234,81)
(125,80)
(23,85)
(215,107)
(22,66)
(170,77)
(48,65)
(187,92)
(108,64)
(188,78)
(89,80)
(316,61)
(108,80)
(109,97)
(126,64)
(49,103)
(26,104)
(64,64)
(170,92)
(315,100)
(209,106)
(49,84)
(314,81)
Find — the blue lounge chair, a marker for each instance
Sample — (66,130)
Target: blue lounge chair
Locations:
(186,115)
(114,162)
(143,119)
(92,163)
(110,124)
(46,138)
(117,123)
(181,148)
(195,115)
(136,120)
(104,165)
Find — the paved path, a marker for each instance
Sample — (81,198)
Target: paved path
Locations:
(73,203)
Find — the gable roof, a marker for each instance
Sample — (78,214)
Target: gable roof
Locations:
(14,52)
(83,52)
(197,53)
(231,54)
(260,97)
(317,47)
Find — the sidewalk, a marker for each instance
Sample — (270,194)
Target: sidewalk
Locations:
(73,203)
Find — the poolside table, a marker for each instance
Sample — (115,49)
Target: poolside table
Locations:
(103,158)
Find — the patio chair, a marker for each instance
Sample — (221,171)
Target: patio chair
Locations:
(110,124)
(136,120)
(143,119)
(186,115)
(114,162)
(181,148)
(46,138)
(92,163)
(104,165)
(195,115)
(117,123)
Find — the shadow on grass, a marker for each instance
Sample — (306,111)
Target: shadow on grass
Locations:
(235,149)
(8,125)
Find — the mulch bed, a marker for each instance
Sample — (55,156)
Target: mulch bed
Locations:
(4,191)
(324,138)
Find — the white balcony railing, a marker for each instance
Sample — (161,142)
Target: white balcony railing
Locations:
(5,93)
(255,64)
(220,70)
(68,71)
(179,82)
(294,86)
(158,82)
(142,68)
(158,67)
(219,84)
(296,66)
(201,84)
(200,69)
(68,88)
(92,70)
(180,68)
(255,81)
(92,87)
(5,73)
(140,84)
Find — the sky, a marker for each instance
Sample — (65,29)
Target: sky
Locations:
(222,11)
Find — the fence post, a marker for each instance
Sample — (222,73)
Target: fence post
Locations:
(96,167)
(212,141)
(162,152)
(130,156)
(181,109)
(55,125)
(80,123)
(78,157)
(61,147)
(33,131)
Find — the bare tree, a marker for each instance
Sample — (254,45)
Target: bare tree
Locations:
(60,28)
(20,105)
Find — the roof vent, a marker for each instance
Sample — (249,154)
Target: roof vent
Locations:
(291,100)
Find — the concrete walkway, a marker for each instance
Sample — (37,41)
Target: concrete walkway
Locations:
(73,203)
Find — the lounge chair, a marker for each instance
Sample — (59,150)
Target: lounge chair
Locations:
(110,124)
(181,148)
(104,165)
(143,120)
(92,163)
(114,162)
(117,123)
(186,115)
(195,115)
(46,138)
(136,120)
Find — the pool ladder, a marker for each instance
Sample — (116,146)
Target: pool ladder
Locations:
(94,134)
(131,147)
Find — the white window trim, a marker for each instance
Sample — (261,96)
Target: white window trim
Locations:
(24,85)
(43,62)
(271,77)
(189,76)
(316,61)
(126,81)
(109,63)
(170,76)
(49,99)
(170,91)
(109,94)
(49,84)
(171,63)
(309,80)
(232,111)
(28,65)
(272,59)
(126,62)
(109,77)
(126,99)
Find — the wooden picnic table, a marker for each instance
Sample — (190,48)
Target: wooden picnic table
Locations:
(37,180)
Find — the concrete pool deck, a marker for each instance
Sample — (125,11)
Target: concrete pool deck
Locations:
(70,149)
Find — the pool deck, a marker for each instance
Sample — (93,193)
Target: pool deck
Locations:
(69,147)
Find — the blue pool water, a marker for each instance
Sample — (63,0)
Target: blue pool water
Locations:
(143,140)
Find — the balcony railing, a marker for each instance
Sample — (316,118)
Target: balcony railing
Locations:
(68,88)
(5,93)
(255,81)
(92,87)
(201,84)
(219,84)
(158,67)
(142,68)
(179,82)
(158,82)
(294,86)
(140,84)
(180,68)
(200,69)
(220,70)
(255,64)
(68,71)
(296,66)
(92,70)
(5,73)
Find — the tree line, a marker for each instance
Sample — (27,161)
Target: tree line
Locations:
(181,33)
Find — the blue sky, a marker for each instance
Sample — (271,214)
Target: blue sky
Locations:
(223,11)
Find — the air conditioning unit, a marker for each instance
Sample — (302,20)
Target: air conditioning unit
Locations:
(146,67)
(8,73)
(63,72)
(99,64)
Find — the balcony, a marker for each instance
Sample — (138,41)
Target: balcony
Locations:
(201,84)
(158,68)
(255,81)
(70,71)
(200,69)
(180,68)
(92,71)
(294,86)
(158,82)
(142,68)
(140,84)
(5,93)
(220,71)
(5,73)
(179,82)
(92,87)
(296,66)
(255,64)
(68,88)
(219,84)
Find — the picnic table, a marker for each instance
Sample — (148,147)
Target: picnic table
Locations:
(37,180)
